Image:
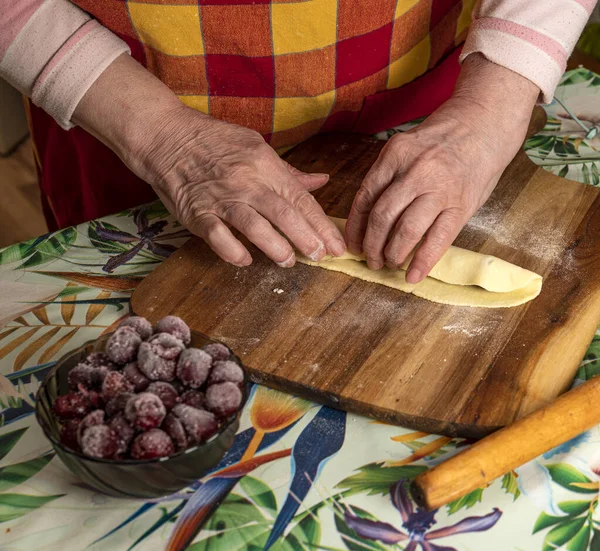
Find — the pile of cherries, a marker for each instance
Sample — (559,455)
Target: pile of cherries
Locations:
(148,395)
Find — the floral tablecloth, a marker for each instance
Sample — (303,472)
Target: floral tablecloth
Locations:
(299,476)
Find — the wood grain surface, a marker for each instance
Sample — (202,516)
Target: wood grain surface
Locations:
(386,354)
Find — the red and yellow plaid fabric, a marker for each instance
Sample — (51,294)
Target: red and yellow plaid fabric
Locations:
(286,68)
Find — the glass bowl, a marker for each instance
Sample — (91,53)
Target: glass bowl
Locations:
(146,478)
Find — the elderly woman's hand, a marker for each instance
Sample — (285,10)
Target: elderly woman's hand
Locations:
(211,174)
(428,182)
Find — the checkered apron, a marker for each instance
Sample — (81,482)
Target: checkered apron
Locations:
(292,68)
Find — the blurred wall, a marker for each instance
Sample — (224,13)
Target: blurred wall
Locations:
(13,123)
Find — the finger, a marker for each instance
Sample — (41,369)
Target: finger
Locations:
(374,184)
(220,239)
(382,220)
(412,225)
(290,222)
(258,230)
(437,240)
(316,217)
(309,181)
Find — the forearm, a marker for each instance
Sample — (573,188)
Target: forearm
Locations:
(500,100)
(52,51)
(533,38)
(124,108)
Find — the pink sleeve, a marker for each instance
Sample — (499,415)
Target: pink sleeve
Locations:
(52,51)
(533,38)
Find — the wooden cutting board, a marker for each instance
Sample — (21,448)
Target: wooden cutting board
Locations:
(401,359)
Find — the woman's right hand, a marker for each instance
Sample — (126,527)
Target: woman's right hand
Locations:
(210,174)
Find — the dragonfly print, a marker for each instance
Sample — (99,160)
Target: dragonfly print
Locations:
(417,524)
(149,236)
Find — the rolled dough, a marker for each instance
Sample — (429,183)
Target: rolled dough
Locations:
(460,278)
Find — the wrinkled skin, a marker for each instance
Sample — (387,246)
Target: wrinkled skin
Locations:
(428,182)
(214,175)
(217,178)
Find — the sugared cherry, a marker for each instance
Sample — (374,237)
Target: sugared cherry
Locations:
(165,392)
(151,444)
(123,344)
(193,367)
(139,381)
(115,383)
(145,411)
(193,398)
(223,399)
(99,441)
(72,406)
(123,430)
(226,372)
(140,325)
(199,425)
(217,351)
(176,327)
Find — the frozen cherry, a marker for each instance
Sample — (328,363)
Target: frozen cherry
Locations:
(165,392)
(140,325)
(217,351)
(72,406)
(176,327)
(223,399)
(86,375)
(99,359)
(117,404)
(193,367)
(115,383)
(96,417)
(152,444)
(157,358)
(228,371)
(68,433)
(173,427)
(122,345)
(99,441)
(193,398)
(93,396)
(123,430)
(199,425)
(166,346)
(136,377)
(145,411)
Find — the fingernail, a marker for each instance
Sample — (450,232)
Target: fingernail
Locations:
(246,262)
(338,247)
(288,262)
(414,276)
(320,175)
(318,253)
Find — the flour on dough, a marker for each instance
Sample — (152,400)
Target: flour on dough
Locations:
(460,278)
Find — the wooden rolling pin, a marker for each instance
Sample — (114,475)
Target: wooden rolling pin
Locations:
(569,415)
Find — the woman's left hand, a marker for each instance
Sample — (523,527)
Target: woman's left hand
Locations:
(429,181)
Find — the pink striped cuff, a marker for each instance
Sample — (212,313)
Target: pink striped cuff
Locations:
(533,38)
(541,41)
(518,55)
(68,76)
(559,20)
